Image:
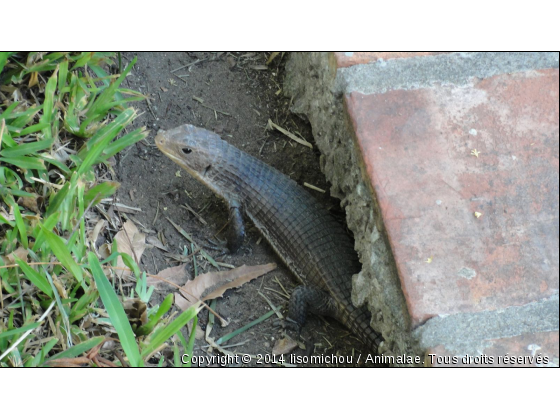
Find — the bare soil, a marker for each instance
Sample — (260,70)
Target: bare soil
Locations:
(239,85)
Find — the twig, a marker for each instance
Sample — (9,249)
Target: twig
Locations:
(287,297)
(200,101)
(19,340)
(49,184)
(274,308)
(313,187)
(157,213)
(83,215)
(190,64)
(189,208)
(290,135)
(281,285)
(150,108)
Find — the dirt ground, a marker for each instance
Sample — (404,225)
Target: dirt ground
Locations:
(247,94)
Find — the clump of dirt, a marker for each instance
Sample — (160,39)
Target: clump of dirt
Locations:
(233,94)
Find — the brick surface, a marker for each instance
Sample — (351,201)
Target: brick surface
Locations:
(537,349)
(417,150)
(347,59)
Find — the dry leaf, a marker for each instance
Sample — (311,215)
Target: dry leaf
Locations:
(29,203)
(21,253)
(60,287)
(153,240)
(136,311)
(181,302)
(213,284)
(129,239)
(284,346)
(104,251)
(33,79)
(178,275)
(99,227)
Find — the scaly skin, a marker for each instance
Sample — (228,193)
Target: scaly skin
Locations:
(304,234)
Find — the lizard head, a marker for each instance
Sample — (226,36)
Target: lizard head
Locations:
(194,149)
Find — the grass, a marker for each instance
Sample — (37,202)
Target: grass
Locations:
(61,116)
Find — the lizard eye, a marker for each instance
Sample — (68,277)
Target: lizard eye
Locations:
(186,150)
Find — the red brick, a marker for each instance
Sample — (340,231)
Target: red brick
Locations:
(520,351)
(347,59)
(416,147)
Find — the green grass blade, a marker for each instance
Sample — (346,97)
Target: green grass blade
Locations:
(48,104)
(190,345)
(125,141)
(7,114)
(34,277)
(101,191)
(130,263)
(26,148)
(78,349)
(229,336)
(162,310)
(49,224)
(82,59)
(4,58)
(116,312)
(56,201)
(34,128)
(102,74)
(37,360)
(25,162)
(62,76)
(172,328)
(103,137)
(60,250)
(19,330)
(4,221)
(19,223)
(24,118)
(107,96)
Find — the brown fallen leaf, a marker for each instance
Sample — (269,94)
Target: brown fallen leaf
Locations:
(178,275)
(129,239)
(99,227)
(30,203)
(104,251)
(284,346)
(214,283)
(21,253)
(153,240)
(136,311)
